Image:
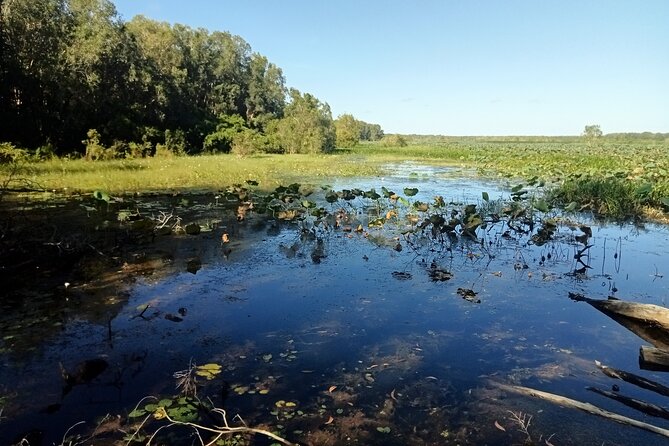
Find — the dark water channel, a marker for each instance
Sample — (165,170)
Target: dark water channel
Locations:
(368,343)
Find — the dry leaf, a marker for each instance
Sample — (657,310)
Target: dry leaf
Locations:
(392,395)
(225,238)
(330,420)
(499,426)
(332,389)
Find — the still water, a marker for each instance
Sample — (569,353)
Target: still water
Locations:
(370,342)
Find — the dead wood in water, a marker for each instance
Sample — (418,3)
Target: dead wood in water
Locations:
(642,406)
(653,359)
(631,378)
(585,407)
(649,322)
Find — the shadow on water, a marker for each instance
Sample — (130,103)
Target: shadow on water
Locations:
(335,317)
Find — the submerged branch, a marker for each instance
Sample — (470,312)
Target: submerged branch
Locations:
(585,407)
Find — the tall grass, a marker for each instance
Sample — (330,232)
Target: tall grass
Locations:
(199,172)
(606,176)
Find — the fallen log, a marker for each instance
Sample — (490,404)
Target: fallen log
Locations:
(585,407)
(648,408)
(653,359)
(648,321)
(631,378)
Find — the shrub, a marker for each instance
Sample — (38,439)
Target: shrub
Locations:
(94,150)
(249,142)
(394,141)
(175,142)
(10,154)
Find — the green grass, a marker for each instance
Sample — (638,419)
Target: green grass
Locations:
(612,176)
(193,173)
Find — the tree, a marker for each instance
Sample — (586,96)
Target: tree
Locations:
(220,141)
(33,36)
(592,133)
(306,127)
(347,130)
(266,92)
(370,132)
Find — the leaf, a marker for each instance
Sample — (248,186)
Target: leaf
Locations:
(208,371)
(267,357)
(541,205)
(410,191)
(664,201)
(644,190)
(331,197)
(383,430)
(241,390)
(210,366)
(123,215)
(263,391)
(330,420)
(571,207)
(499,426)
(137,413)
(485,196)
(332,389)
(517,188)
(101,196)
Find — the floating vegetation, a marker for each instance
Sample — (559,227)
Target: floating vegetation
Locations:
(324,316)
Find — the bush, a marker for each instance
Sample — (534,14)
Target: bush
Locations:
(220,141)
(175,142)
(249,142)
(10,154)
(394,141)
(163,151)
(94,150)
(45,152)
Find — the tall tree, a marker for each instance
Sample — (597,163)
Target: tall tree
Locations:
(34,36)
(266,92)
(307,125)
(101,60)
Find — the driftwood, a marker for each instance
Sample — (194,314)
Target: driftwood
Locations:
(649,322)
(631,378)
(586,407)
(642,406)
(653,359)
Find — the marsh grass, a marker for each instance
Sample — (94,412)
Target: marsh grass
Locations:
(616,179)
(604,177)
(199,172)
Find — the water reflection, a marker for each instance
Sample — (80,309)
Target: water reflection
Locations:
(369,342)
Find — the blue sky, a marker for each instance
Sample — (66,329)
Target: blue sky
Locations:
(467,67)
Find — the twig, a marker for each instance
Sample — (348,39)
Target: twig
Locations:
(218,430)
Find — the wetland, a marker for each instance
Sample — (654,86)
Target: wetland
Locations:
(388,309)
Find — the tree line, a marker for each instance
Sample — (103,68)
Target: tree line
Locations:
(75,77)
